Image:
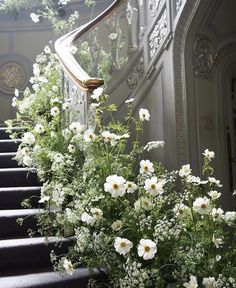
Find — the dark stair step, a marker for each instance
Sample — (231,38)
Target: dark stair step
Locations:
(79,279)
(9,226)
(29,253)
(6,160)
(5,135)
(8,145)
(12,197)
(16,177)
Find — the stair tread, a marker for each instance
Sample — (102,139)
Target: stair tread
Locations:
(7,153)
(19,242)
(23,188)
(20,212)
(9,140)
(17,169)
(49,279)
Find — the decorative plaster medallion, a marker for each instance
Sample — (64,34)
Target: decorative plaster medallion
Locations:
(136,73)
(13,75)
(203,57)
(158,34)
(155,5)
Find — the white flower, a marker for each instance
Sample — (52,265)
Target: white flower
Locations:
(180,209)
(97,93)
(146,166)
(195,180)
(71,148)
(117,225)
(130,187)
(147,249)
(110,137)
(14,102)
(89,135)
(192,283)
(123,245)
(36,87)
(88,219)
(34,17)
(217,241)
(123,136)
(209,282)
(97,213)
(55,88)
(217,214)
(214,181)
(76,127)
(144,114)
(115,185)
(55,111)
(154,145)
(129,100)
(55,100)
(214,194)
(230,217)
(66,133)
(68,267)
(202,205)
(16,92)
(47,49)
(153,187)
(36,69)
(39,128)
(73,49)
(143,203)
(44,199)
(66,106)
(27,160)
(185,170)
(209,154)
(28,138)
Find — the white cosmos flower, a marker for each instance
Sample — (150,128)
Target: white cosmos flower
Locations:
(115,185)
(97,93)
(202,205)
(180,209)
(44,199)
(213,180)
(47,49)
(76,127)
(109,137)
(209,282)
(117,225)
(185,170)
(55,111)
(214,194)
(39,128)
(97,213)
(230,217)
(89,135)
(34,17)
(209,154)
(153,187)
(123,245)
(144,114)
(88,219)
(192,283)
(146,166)
(217,241)
(130,187)
(65,106)
(68,267)
(71,148)
(217,214)
(147,249)
(28,138)
(27,160)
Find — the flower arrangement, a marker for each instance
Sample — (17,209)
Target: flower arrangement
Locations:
(145,226)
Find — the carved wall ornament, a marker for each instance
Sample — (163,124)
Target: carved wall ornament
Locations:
(158,34)
(136,73)
(13,75)
(203,57)
(155,5)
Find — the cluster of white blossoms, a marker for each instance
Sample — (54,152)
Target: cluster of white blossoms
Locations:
(209,154)
(96,214)
(68,266)
(28,138)
(146,247)
(210,282)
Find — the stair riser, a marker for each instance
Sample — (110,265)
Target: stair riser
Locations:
(8,146)
(6,161)
(4,135)
(10,228)
(22,257)
(13,200)
(18,179)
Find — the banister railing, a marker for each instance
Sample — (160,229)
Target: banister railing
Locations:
(68,60)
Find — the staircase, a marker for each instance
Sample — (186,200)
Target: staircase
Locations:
(25,262)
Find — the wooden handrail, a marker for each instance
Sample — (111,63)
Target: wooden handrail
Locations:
(67,59)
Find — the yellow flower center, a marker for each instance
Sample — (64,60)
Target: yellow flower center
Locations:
(203,206)
(153,186)
(147,248)
(115,186)
(122,244)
